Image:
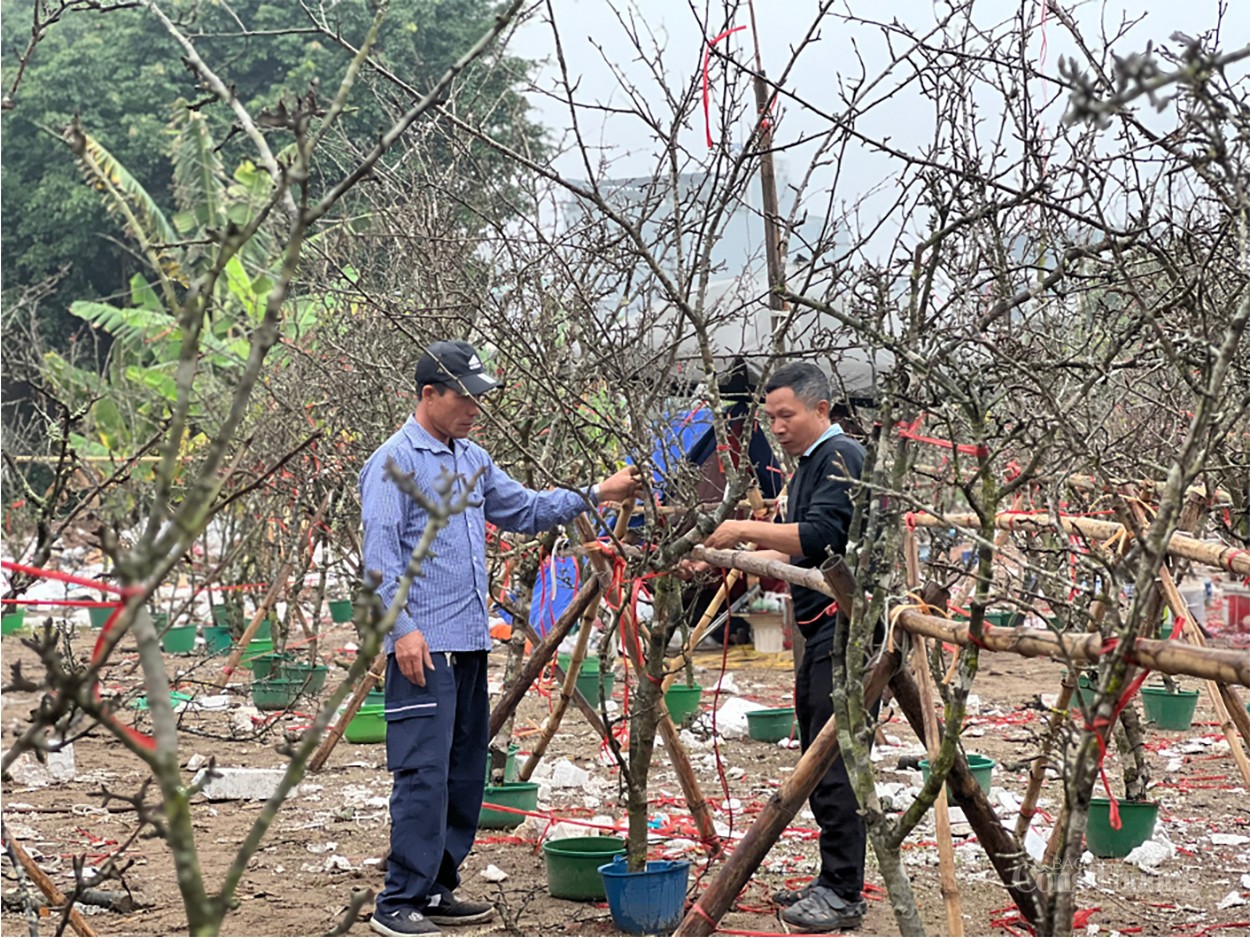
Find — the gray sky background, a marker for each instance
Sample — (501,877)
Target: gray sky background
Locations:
(586,24)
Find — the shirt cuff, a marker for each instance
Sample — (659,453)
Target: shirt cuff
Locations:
(592,492)
(403,625)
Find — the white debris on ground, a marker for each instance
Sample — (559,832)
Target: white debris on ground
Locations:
(1152,854)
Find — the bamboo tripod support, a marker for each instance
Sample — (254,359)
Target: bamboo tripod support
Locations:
(696,803)
(941,810)
(568,686)
(350,709)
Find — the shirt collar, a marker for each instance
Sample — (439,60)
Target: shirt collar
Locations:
(834,430)
(421,438)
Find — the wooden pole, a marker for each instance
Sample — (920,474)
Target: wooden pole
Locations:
(543,652)
(1210,553)
(1227,665)
(335,732)
(941,811)
(777,814)
(48,888)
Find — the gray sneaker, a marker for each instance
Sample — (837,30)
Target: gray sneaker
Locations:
(788,897)
(448,910)
(402,924)
(822,909)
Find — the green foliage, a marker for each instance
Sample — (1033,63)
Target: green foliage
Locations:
(121,74)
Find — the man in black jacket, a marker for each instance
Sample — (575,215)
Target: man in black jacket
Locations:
(818,514)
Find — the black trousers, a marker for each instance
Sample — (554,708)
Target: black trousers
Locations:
(843,838)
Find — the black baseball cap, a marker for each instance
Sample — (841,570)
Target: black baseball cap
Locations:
(456,364)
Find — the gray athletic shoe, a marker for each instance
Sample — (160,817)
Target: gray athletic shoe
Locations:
(448,910)
(403,924)
(788,897)
(822,909)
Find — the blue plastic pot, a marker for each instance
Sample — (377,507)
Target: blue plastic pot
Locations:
(649,902)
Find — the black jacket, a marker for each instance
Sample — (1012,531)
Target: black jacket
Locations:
(819,499)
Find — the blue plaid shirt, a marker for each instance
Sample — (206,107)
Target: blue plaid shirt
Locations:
(448,601)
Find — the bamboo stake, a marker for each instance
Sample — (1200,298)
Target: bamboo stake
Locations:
(696,803)
(1227,665)
(335,732)
(1233,559)
(543,652)
(1217,691)
(941,811)
(232,663)
(569,685)
(48,888)
(760,509)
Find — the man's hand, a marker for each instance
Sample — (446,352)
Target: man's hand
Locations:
(412,654)
(727,535)
(688,569)
(620,486)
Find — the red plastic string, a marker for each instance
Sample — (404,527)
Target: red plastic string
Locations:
(707,94)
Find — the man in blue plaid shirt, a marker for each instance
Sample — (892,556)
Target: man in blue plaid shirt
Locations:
(437,708)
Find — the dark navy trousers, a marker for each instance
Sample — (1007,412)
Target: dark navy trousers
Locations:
(436,741)
(843,836)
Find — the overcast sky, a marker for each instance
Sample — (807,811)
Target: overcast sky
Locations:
(586,24)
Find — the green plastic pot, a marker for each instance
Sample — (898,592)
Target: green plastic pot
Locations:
(588,684)
(375,698)
(217,639)
(1137,823)
(99,615)
(1169,711)
(1086,690)
(221,615)
(179,641)
(367,726)
(509,765)
(340,610)
(770,726)
(683,702)
(573,866)
(275,693)
(999,618)
(520,795)
(982,768)
(266,664)
(12,621)
(160,620)
(311,677)
(590,664)
(257,648)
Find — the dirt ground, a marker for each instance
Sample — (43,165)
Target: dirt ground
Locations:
(327,840)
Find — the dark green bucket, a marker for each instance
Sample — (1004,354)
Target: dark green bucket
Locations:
(275,693)
(311,678)
(520,795)
(267,663)
(180,640)
(1137,823)
(683,702)
(99,615)
(340,610)
(982,768)
(217,639)
(588,684)
(1169,711)
(771,726)
(590,664)
(573,866)
(221,615)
